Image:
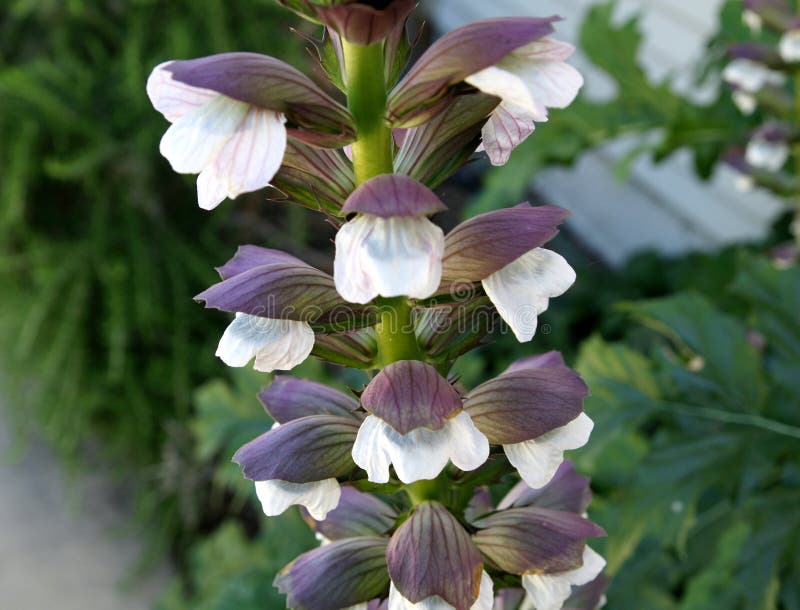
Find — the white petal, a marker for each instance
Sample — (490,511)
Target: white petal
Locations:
(469,448)
(247,161)
(750,76)
(420,454)
(369,451)
(172,98)
(399,256)
(319,497)
(507,128)
(485,599)
(510,88)
(192,142)
(753,21)
(522,289)
(763,154)
(745,102)
(790,46)
(537,460)
(550,591)
(533,78)
(275,344)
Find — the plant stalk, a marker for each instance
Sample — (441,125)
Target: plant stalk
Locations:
(373,155)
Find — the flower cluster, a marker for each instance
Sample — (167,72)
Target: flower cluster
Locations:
(397,477)
(760,75)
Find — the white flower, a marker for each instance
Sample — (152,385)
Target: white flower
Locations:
(275,344)
(537,460)
(750,76)
(420,454)
(319,497)
(235,147)
(522,289)
(752,20)
(764,154)
(528,81)
(485,599)
(744,183)
(790,46)
(745,102)
(396,256)
(550,591)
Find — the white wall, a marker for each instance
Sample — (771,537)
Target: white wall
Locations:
(661,206)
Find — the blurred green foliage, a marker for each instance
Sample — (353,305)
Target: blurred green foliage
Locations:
(102,246)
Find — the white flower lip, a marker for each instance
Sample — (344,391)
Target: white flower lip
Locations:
(522,290)
(485,599)
(750,76)
(767,155)
(422,453)
(389,257)
(234,147)
(550,591)
(275,344)
(537,460)
(789,46)
(528,81)
(319,497)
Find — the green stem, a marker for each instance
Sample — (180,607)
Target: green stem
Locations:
(395,332)
(373,155)
(366,99)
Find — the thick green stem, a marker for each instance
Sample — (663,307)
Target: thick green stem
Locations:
(396,337)
(373,155)
(366,99)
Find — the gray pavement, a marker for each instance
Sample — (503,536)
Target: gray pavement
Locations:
(65,542)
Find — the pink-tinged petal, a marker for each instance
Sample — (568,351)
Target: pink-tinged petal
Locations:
(550,591)
(538,460)
(192,143)
(454,57)
(388,257)
(506,129)
(174,99)
(247,161)
(522,290)
(546,49)
(275,344)
(530,83)
(319,497)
